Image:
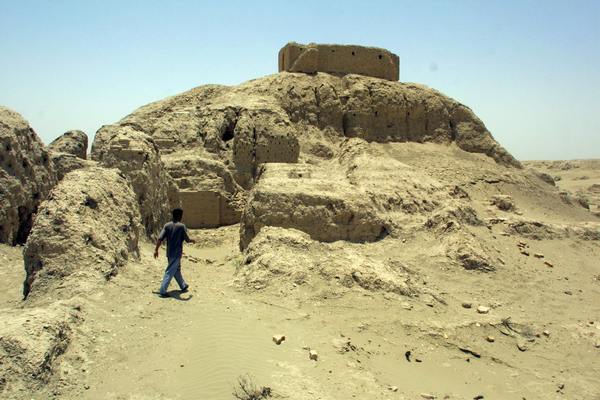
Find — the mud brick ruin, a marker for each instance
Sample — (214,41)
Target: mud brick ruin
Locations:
(339,60)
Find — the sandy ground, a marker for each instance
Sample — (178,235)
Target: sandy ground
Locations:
(196,345)
(575,176)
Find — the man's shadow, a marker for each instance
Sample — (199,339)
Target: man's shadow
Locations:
(177,295)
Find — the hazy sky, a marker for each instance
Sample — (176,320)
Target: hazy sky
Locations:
(529,69)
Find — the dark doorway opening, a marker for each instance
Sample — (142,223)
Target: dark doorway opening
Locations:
(228,133)
(25,223)
(227,136)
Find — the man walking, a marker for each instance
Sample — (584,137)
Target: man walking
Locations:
(175,233)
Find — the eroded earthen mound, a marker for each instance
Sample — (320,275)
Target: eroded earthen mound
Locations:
(65,163)
(322,154)
(315,200)
(69,152)
(31,341)
(135,154)
(83,233)
(72,142)
(223,134)
(280,256)
(26,176)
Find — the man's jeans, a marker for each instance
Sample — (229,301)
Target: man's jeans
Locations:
(173,271)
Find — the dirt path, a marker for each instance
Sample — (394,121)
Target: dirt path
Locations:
(196,345)
(192,345)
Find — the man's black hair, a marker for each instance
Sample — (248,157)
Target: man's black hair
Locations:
(177,214)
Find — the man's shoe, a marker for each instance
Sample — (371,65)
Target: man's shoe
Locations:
(185,289)
(163,295)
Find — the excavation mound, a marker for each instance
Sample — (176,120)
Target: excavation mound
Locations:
(311,199)
(32,342)
(26,176)
(281,256)
(84,232)
(71,142)
(65,163)
(136,155)
(224,134)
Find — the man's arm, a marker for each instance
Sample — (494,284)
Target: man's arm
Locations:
(158,243)
(161,237)
(187,237)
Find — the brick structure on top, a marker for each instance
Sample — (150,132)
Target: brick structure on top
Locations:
(339,60)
